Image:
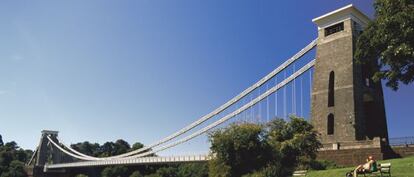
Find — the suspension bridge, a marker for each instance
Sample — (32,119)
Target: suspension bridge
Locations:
(321,82)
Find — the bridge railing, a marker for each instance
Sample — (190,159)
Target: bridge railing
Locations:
(137,161)
(402,141)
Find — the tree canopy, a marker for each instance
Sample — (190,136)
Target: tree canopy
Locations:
(115,171)
(12,159)
(387,43)
(136,174)
(107,149)
(274,149)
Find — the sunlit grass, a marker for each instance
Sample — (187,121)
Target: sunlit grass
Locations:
(403,167)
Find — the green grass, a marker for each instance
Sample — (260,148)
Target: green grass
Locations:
(403,167)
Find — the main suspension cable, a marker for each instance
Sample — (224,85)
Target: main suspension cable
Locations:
(216,111)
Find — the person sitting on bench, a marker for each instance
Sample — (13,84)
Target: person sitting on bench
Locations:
(370,166)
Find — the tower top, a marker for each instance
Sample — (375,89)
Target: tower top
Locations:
(49,132)
(342,14)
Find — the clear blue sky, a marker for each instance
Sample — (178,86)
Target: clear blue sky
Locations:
(139,70)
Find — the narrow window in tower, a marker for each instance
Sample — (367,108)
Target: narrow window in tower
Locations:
(331,90)
(334,29)
(330,124)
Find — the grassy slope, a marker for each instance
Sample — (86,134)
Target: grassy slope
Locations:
(403,167)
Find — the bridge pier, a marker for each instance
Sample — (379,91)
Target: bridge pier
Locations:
(47,154)
(347,106)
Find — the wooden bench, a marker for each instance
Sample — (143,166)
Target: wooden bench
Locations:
(385,168)
(300,173)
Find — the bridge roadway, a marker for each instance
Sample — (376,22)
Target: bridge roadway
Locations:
(135,161)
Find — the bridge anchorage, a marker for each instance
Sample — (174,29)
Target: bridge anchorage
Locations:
(347,108)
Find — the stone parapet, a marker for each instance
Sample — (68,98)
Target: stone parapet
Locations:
(350,157)
(374,143)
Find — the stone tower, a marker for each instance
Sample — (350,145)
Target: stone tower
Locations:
(44,152)
(347,106)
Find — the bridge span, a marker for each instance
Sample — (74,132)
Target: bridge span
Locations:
(135,161)
(341,97)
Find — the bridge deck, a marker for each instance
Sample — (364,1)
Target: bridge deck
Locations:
(136,161)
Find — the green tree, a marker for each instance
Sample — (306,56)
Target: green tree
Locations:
(240,149)
(81,175)
(115,171)
(1,141)
(29,154)
(271,150)
(292,144)
(108,149)
(12,159)
(15,169)
(11,145)
(136,174)
(136,146)
(21,155)
(87,148)
(6,157)
(193,169)
(218,168)
(121,147)
(166,172)
(139,145)
(387,43)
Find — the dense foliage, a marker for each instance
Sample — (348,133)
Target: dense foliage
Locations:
(274,149)
(388,42)
(107,149)
(115,171)
(240,149)
(183,170)
(136,174)
(193,169)
(12,159)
